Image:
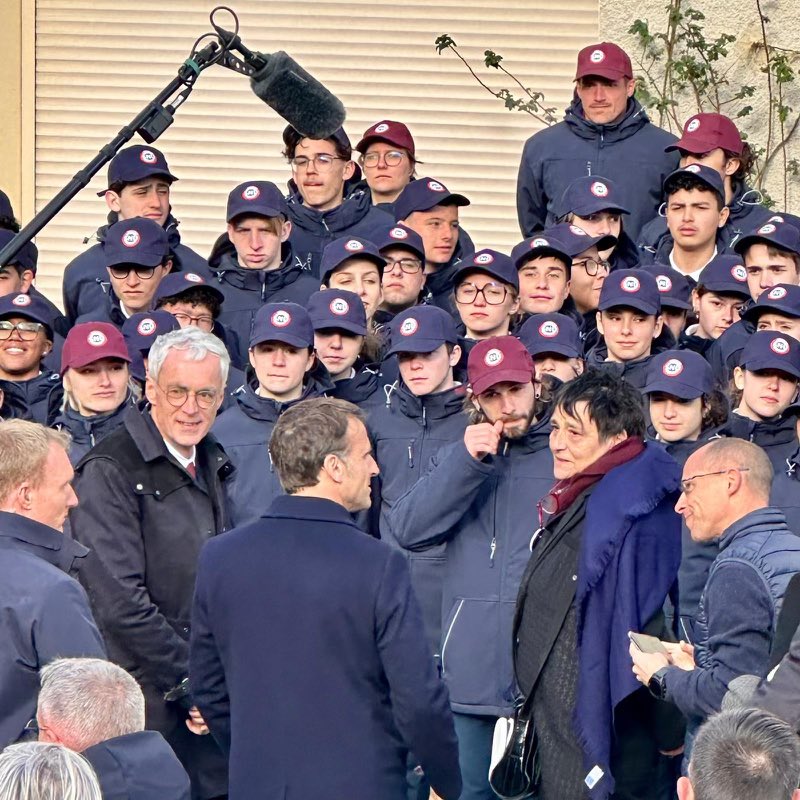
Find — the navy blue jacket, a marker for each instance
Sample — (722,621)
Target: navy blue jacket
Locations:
(485,511)
(632,372)
(311,667)
(138,766)
(86,282)
(361,389)
(785,493)
(629,152)
(37,400)
(724,352)
(45,614)
(777,437)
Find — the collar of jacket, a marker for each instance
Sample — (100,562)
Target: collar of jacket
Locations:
(265,409)
(767,518)
(41,540)
(310,508)
(351,211)
(431,406)
(781,430)
(81,427)
(634,118)
(229,271)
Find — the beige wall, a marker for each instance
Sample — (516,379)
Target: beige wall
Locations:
(11,100)
(740,18)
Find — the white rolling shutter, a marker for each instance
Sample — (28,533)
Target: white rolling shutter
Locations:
(98,62)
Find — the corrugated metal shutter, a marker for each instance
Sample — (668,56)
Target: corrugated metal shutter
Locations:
(98,62)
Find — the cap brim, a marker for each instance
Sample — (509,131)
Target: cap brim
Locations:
(90,359)
(500,376)
(328,324)
(402,245)
(602,72)
(540,252)
(673,302)
(541,347)
(755,311)
(674,387)
(727,288)
(417,345)
(597,205)
(632,302)
(268,212)
(754,238)
(286,338)
(776,363)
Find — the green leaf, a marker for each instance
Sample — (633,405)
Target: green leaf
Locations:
(443,42)
(492,59)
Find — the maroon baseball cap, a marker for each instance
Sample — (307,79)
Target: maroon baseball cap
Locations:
(386,130)
(705,132)
(606,59)
(501,359)
(89,342)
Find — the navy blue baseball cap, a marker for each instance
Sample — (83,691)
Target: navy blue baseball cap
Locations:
(421,329)
(575,239)
(347,247)
(5,205)
(143,328)
(771,350)
(681,373)
(539,246)
(256,198)
(551,333)
(28,306)
(633,288)
(400,236)
(707,175)
(725,274)
(782,235)
(135,164)
(674,287)
(424,194)
(589,194)
(282,322)
(27,257)
(493,263)
(291,136)
(174,283)
(337,309)
(783,298)
(135,241)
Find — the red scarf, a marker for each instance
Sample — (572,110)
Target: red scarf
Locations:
(565,492)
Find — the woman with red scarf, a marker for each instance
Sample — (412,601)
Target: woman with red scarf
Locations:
(603,560)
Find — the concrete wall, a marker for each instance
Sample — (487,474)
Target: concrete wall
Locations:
(739,18)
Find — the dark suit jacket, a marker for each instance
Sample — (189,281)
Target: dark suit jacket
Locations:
(309,663)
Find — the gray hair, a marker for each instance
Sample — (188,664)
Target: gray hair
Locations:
(196,345)
(731,453)
(88,700)
(43,771)
(745,753)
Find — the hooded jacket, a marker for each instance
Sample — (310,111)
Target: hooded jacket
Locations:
(361,389)
(630,152)
(776,437)
(37,399)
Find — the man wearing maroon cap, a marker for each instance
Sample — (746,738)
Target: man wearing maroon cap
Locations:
(605,132)
(388,160)
(477,496)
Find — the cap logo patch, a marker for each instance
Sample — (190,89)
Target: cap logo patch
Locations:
(776,218)
(739,273)
(435,186)
(693,125)
(251,193)
(673,368)
(483,258)
(131,238)
(599,189)
(409,327)
(692,168)
(493,358)
(549,329)
(768,228)
(398,233)
(96,338)
(577,231)
(630,284)
(382,128)
(148,156)
(353,245)
(778,293)
(779,346)
(597,56)
(664,283)
(339,306)
(539,242)
(193,278)
(147,327)
(21,300)
(280,319)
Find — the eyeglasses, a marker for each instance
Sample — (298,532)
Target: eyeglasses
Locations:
(410,266)
(32,726)
(391,158)
(27,331)
(493,293)
(322,161)
(178,395)
(142,273)
(593,266)
(205,323)
(687,487)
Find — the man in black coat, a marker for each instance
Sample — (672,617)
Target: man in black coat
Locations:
(45,610)
(311,667)
(151,495)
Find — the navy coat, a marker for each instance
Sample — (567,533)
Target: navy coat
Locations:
(37,400)
(310,665)
(45,614)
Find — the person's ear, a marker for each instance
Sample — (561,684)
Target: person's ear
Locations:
(731,165)
(723,217)
(26,280)
(286,230)
(599,318)
(738,378)
(630,88)
(312,357)
(455,355)
(658,326)
(514,306)
(686,790)
(695,302)
(349,169)
(150,391)
(112,201)
(333,467)
(167,265)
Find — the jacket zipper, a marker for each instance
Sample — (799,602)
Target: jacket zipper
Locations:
(450,630)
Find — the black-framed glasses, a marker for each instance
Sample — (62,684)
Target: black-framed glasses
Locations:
(687,484)
(593,265)
(178,395)
(493,293)
(322,161)
(204,322)
(411,266)
(121,271)
(27,331)
(391,158)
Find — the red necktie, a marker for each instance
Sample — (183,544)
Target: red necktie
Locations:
(190,468)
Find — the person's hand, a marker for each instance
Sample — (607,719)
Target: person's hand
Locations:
(483,439)
(645,665)
(195,723)
(681,654)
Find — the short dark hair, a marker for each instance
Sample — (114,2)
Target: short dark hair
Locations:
(612,404)
(9,224)
(745,753)
(196,296)
(293,138)
(305,434)
(691,183)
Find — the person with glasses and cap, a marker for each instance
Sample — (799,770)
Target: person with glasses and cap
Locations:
(139,185)
(388,158)
(151,494)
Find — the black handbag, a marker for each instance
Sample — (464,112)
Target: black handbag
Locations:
(516,775)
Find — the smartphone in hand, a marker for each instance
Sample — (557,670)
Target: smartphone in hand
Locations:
(648,644)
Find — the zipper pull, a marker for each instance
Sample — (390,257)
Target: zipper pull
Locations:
(410,456)
(492,549)
(271,465)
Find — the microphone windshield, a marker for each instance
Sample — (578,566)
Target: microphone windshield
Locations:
(298,97)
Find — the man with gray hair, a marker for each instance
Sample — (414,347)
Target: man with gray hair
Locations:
(96,708)
(45,612)
(725,497)
(746,753)
(151,494)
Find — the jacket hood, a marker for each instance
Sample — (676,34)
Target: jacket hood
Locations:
(633,120)
(227,271)
(87,430)
(358,388)
(265,409)
(766,433)
(432,406)
(352,210)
